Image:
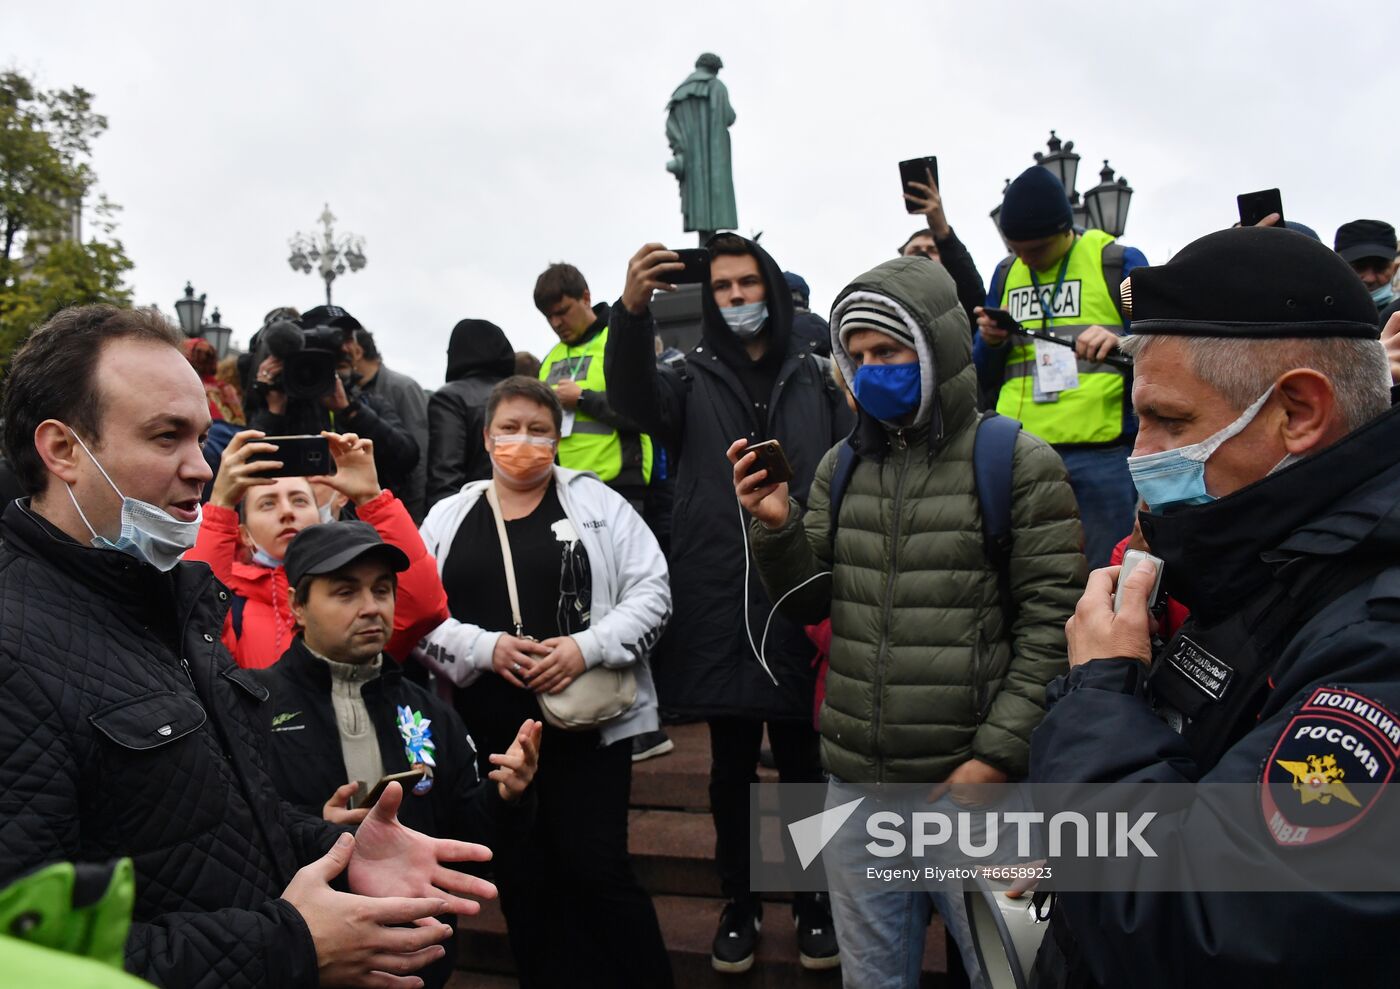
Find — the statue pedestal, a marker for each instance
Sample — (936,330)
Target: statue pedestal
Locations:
(678,316)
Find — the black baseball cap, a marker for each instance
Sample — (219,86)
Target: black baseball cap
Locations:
(325,548)
(1365,239)
(329,316)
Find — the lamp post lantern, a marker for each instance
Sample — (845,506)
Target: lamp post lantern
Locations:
(218,334)
(1104,207)
(190,311)
(1108,201)
(330,256)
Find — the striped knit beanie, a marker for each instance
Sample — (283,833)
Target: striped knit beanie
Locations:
(872,314)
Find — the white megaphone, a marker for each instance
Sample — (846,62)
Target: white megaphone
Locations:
(1006,933)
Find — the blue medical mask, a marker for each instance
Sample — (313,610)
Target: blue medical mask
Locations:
(148,533)
(1178,477)
(747,321)
(265,559)
(889,392)
(1383,295)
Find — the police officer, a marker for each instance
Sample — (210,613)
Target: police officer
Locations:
(1269,458)
(1064,281)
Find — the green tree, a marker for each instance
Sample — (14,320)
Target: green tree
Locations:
(45,178)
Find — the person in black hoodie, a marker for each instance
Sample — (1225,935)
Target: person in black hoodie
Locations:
(748,377)
(478,356)
(341,716)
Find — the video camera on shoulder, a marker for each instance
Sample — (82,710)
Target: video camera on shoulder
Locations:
(310,350)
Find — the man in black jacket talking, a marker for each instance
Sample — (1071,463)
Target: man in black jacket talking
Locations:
(127,729)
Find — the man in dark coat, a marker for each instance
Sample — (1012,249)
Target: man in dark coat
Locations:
(128,731)
(728,656)
(1269,457)
(342,716)
(478,356)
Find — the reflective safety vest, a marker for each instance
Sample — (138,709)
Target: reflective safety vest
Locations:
(1094,411)
(617,458)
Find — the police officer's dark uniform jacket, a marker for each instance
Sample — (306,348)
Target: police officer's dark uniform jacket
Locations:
(1294,589)
(128,731)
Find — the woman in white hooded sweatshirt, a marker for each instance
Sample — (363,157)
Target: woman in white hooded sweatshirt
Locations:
(593,591)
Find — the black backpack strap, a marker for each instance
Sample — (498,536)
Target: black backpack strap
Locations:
(846,460)
(236,612)
(1112,258)
(993,452)
(998,282)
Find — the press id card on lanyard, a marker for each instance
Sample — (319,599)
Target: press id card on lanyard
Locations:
(1056,366)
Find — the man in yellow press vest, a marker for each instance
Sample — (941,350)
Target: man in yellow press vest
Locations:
(1065,282)
(594,437)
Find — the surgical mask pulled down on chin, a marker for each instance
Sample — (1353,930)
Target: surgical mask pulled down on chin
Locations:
(148,533)
(1178,477)
(523,461)
(746,321)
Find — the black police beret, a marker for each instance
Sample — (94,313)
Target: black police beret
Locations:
(1252,282)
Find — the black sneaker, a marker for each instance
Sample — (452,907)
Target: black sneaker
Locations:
(650,744)
(816,935)
(732,952)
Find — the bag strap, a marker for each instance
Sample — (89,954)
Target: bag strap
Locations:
(506,557)
(999,274)
(846,460)
(993,451)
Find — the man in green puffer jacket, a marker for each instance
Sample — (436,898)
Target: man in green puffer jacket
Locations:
(930,682)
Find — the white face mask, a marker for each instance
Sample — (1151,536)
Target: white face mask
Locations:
(746,321)
(148,533)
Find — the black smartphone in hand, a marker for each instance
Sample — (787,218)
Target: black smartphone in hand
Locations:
(697,267)
(1002,319)
(917,170)
(1254,206)
(301,456)
(770,457)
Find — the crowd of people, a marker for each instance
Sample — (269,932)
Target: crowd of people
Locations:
(327,697)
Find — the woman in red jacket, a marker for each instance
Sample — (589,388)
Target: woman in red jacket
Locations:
(250,519)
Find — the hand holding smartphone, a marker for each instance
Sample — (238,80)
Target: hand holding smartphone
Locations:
(917,170)
(697,267)
(1255,206)
(301,456)
(407,779)
(770,457)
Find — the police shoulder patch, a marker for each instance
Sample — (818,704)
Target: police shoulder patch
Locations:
(1329,766)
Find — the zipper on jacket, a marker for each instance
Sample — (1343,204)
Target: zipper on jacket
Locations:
(901,444)
(979,674)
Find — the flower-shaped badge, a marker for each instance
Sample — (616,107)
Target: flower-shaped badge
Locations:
(418,746)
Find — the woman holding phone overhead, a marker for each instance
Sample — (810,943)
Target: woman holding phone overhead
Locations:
(556,585)
(251,518)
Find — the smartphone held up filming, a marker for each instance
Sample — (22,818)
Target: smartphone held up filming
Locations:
(1254,206)
(697,267)
(300,456)
(770,457)
(917,170)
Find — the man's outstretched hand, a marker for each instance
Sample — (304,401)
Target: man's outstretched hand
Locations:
(359,940)
(396,861)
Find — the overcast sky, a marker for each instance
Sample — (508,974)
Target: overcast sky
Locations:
(472,144)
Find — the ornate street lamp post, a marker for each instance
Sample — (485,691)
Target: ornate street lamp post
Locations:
(330,255)
(218,334)
(190,311)
(1108,201)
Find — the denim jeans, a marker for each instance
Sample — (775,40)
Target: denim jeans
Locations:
(882,933)
(1107,499)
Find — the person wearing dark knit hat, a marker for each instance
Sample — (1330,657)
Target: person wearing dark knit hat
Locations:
(1065,282)
(1268,457)
(1369,247)
(807,326)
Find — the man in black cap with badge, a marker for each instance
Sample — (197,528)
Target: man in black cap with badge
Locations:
(1268,457)
(1369,247)
(343,719)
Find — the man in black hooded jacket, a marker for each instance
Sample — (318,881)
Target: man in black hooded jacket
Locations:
(747,377)
(478,356)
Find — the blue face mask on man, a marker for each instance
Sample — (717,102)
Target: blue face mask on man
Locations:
(889,392)
(1178,477)
(1383,295)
